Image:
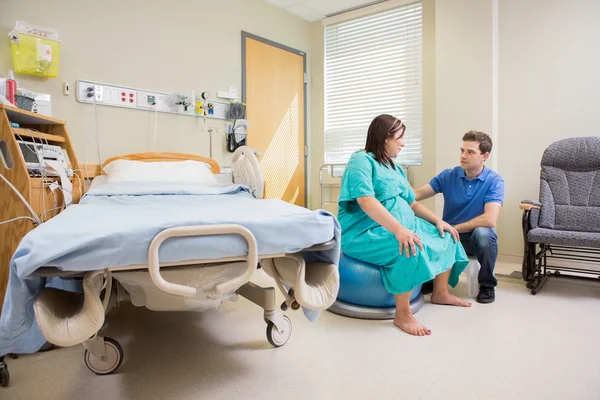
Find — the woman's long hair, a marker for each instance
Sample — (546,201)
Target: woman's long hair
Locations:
(382,127)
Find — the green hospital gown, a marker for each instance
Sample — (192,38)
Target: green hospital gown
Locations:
(366,240)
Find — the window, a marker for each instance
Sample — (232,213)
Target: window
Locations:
(373,66)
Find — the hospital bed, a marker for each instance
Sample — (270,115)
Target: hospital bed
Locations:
(160,259)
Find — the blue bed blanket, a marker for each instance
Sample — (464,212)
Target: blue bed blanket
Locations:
(113,225)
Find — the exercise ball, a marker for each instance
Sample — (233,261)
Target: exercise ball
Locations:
(363,294)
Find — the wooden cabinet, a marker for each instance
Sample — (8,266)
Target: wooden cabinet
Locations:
(45,203)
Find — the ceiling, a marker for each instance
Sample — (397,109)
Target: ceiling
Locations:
(315,10)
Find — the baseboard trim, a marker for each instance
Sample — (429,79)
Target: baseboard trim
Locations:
(509,258)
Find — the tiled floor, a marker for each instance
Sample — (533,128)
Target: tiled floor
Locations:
(520,347)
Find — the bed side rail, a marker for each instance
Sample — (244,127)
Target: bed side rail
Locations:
(201,230)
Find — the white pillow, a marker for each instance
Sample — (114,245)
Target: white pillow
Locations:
(160,171)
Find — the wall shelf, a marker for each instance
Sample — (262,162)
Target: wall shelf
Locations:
(35,135)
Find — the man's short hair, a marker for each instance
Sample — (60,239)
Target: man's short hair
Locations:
(485,142)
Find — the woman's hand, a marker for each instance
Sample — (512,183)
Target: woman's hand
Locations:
(444,226)
(407,239)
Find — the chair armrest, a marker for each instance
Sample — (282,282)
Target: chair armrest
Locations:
(527,205)
(531,214)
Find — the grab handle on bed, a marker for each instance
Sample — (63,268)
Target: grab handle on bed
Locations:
(200,230)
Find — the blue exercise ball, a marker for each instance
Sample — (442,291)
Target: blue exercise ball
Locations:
(361,284)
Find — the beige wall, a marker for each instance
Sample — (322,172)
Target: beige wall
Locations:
(317,100)
(422,174)
(463,72)
(175,47)
(549,87)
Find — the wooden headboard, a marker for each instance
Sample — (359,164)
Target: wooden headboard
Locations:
(154,157)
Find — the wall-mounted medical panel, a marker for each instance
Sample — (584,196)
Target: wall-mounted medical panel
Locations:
(141,99)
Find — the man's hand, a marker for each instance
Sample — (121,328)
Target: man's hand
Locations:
(407,239)
(444,226)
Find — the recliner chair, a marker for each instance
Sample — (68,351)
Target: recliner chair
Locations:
(565,224)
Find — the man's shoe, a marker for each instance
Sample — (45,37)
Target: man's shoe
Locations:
(486,295)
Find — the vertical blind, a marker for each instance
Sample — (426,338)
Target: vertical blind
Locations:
(373,66)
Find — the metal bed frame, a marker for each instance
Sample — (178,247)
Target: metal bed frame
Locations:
(104,355)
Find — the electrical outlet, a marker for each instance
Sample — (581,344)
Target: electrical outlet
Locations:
(132,98)
(99,92)
(127,97)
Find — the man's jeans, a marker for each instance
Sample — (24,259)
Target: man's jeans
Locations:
(483,244)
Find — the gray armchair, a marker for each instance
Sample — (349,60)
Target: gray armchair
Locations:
(564,225)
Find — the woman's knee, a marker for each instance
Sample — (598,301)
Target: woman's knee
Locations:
(483,237)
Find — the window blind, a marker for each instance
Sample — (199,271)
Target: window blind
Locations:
(373,65)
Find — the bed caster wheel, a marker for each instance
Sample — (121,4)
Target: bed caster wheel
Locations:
(4,375)
(279,338)
(113,360)
(295,306)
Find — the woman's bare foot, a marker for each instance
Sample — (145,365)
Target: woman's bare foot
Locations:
(448,299)
(409,324)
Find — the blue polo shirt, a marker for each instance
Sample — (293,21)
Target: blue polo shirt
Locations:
(465,199)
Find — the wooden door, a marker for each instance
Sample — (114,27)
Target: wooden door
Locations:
(274,92)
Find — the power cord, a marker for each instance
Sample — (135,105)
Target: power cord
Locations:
(42,166)
(18,218)
(155,124)
(79,180)
(62,207)
(44,180)
(94,116)
(33,214)
(33,146)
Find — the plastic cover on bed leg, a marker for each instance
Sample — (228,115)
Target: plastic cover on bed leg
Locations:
(67,318)
(318,285)
(315,284)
